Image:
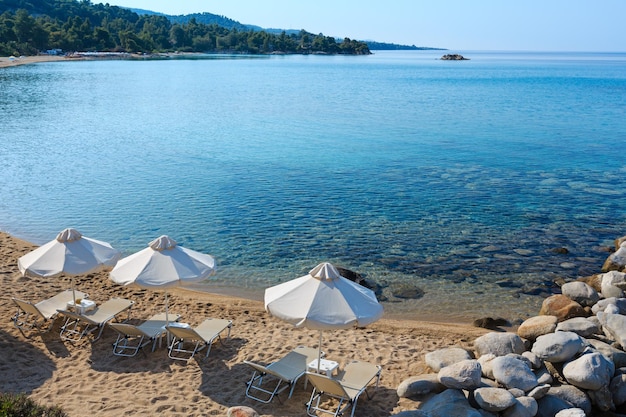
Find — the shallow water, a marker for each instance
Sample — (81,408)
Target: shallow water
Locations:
(460,178)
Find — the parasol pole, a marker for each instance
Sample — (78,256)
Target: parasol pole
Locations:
(319,353)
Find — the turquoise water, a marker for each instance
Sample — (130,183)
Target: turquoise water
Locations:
(458,177)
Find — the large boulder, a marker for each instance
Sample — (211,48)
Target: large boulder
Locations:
(590,371)
(613,284)
(536,326)
(417,386)
(617,356)
(461,375)
(572,395)
(513,372)
(617,260)
(449,403)
(494,399)
(447,356)
(615,325)
(558,347)
(499,344)
(561,307)
(580,292)
(582,326)
(523,407)
(618,389)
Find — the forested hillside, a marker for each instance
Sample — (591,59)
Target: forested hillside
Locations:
(28,27)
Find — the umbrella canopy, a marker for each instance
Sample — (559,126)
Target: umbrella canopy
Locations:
(70,253)
(323,300)
(163,264)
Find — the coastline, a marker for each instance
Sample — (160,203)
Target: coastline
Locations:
(6,62)
(89,377)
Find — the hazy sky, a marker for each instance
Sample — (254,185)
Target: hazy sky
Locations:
(537,25)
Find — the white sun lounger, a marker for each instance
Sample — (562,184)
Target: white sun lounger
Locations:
(132,338)
(354,381)
(33,316)
(279,375)
(198,337)
(78,325)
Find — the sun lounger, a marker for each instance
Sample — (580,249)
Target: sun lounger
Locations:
(131,338)
(198,337)
(279,375)
(354,381)
(78,325)
(33,316)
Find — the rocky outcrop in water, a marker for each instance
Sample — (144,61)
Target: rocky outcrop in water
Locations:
(568,361)
(454,57)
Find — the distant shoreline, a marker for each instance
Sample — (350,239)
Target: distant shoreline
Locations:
(6,61)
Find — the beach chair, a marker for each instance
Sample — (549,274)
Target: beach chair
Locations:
(78,325)
(269,381)
(354,381)
(34,316)
(187,341)
(133,338)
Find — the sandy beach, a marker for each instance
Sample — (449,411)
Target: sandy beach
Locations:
(6,61)
(88,378)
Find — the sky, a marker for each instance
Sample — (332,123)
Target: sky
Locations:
(461,25)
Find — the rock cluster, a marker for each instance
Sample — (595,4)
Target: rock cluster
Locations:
(454,57)
(568,361)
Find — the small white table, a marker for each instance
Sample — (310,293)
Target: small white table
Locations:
(82,307)
(326,366)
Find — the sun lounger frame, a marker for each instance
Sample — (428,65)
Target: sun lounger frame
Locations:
(131,339)
(200,337)
(355,379)
(77,325)
(34,316)
(280,375)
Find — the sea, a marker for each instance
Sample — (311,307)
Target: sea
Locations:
(458,189)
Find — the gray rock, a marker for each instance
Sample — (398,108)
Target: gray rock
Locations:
(601,399)
(419,385)
(485,364)
(580,292)
(493,399)
(617,356)
(514,373)
(241,411)
(549,405)
(590,371)
(499,344)
(539,391)
(574,396)
(558,347)
(615,325)
(461,375)
(534,360)
(618,389)
(412,413)
(449,403)
(617,260)
(523,407)
(579,325)
(601,305)
(613,283)
(571,412)
(543,376)
(516,392)
(443,357)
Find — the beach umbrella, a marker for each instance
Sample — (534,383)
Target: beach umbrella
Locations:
(69,253)
(162,265)
(323,300)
